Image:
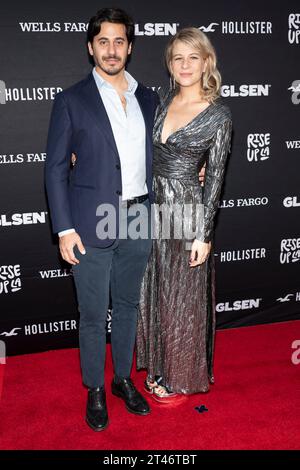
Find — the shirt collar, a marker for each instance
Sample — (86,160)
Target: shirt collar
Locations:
(100,82)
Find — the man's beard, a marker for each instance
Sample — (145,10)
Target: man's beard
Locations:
(110,69)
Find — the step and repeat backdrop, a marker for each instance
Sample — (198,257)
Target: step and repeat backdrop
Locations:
(257,243)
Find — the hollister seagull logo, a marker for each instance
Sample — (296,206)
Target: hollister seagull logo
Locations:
(11,333)
(285,299)
(209,29)
(295,88)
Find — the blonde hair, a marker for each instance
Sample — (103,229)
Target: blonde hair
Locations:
(211,78)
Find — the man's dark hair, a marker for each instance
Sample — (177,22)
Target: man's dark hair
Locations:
(112,15)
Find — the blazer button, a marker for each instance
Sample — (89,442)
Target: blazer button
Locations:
(118,167)
(118,192)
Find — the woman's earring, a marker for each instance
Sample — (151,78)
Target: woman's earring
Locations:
(172,82)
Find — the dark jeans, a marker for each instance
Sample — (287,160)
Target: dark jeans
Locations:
(121,266)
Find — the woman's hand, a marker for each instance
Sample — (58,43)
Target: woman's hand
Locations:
(200,252)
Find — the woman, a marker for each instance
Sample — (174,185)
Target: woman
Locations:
(176,326)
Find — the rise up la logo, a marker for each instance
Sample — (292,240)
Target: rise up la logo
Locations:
(294,28)
(289,250)
(258,147)
(10,278)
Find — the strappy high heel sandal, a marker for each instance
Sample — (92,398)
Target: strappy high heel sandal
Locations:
(163,395)
(149,385)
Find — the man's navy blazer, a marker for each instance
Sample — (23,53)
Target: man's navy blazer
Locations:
(79,123)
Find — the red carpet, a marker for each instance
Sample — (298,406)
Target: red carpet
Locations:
(254,404)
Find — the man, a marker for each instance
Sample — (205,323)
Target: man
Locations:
(106,120)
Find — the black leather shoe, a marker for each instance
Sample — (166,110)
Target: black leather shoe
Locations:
(134,401)
(96,411)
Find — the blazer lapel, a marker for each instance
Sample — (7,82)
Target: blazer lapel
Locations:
(93,103)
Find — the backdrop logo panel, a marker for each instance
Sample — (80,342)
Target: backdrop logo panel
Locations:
(36,157)
(243,255)
(245,90)
(10,279)
(291,297)
(294,28)
(31,94)
(289,250)
(239,27)
(258,147)
(55,273)
(27,218)
(236,305)
(295,89)
(291,201)
(245,202)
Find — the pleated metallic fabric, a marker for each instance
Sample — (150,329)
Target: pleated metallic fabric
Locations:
(176,322)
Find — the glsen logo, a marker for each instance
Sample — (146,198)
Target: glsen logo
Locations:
(54,273)
(258,147)
(291,201)
(7,159)
(242,255)
(293,144)
(245,90)
(31,94)
(238,305)
(156,29)
(295,88)
(289,297)
(294,28)
(10,280)
(2,92)
(27,218)
(290,250)
(240,27)
(247,202)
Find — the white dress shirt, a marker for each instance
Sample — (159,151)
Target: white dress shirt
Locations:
(129,132)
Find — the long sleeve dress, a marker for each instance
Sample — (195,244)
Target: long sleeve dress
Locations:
(176,322)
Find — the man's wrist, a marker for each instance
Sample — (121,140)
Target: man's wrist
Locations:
(66,232)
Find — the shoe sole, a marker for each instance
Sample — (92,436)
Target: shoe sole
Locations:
(176,399)
(94,428)
(141,413)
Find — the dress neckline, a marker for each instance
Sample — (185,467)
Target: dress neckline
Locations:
(180,128)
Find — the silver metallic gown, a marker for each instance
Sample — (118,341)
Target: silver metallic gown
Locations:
(176,323)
